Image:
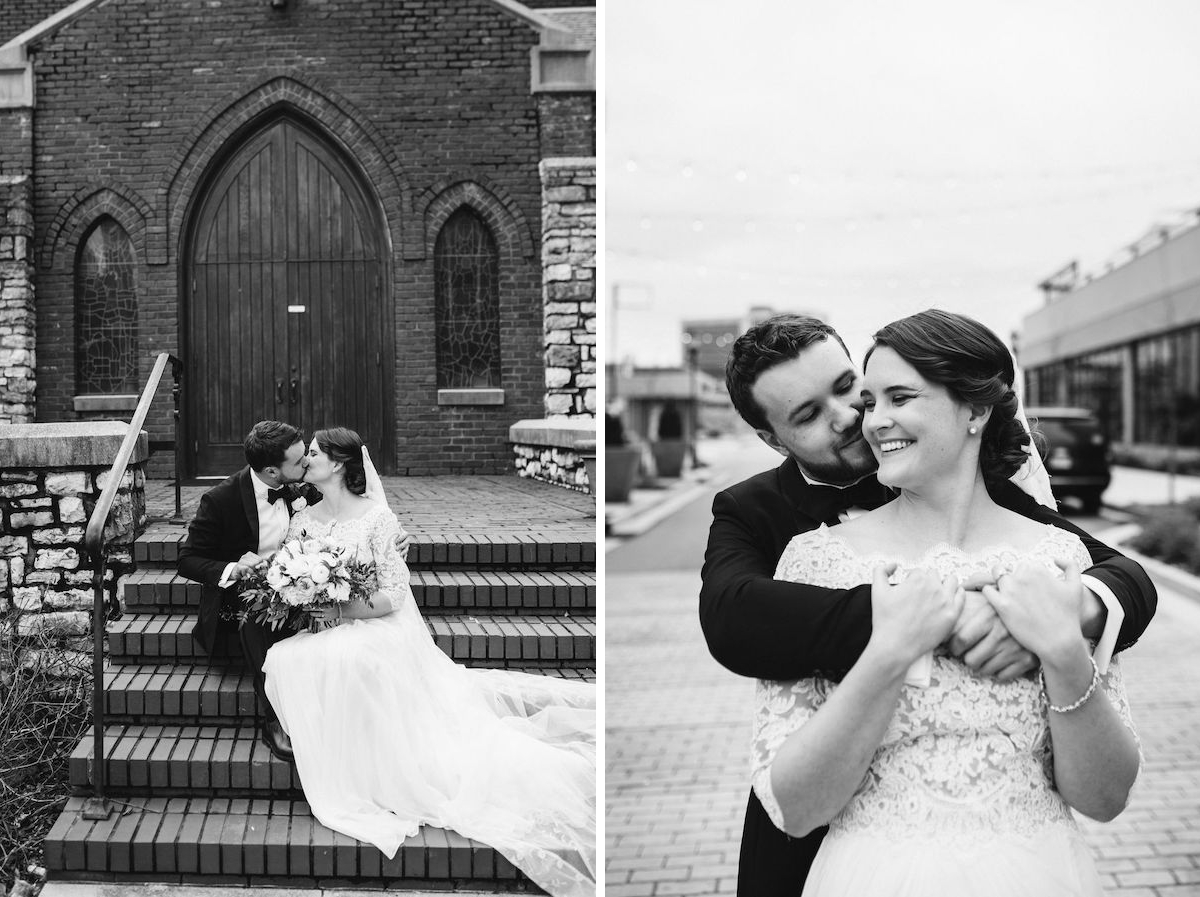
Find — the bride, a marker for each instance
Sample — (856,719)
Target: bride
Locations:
(390,734)
(934,781)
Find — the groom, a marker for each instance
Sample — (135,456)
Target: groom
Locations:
(792,380)
(241,520)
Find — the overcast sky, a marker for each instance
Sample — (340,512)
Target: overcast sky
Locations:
(866,159)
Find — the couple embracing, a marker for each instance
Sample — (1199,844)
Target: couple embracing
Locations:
(386,731)
(934,645)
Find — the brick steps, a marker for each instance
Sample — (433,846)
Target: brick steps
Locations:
(200,800)
(435,591)
(524,641)
(159,546)
(169,761)
(258,842)
(180,694)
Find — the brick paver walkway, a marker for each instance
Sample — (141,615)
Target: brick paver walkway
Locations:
(677,732)
(467,505)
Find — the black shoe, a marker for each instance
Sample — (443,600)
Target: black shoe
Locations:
(277,740)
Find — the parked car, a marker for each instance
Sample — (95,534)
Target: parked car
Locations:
(1076,452)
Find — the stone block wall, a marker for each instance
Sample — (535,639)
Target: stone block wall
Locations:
(560,451)
(18,377)
(569,282)
(51,476)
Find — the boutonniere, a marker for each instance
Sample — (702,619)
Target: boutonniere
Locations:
(299,503)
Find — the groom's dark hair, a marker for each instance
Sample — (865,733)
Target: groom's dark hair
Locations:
(778,339)
(267,443)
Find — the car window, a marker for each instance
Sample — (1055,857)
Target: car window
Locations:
(1066,432)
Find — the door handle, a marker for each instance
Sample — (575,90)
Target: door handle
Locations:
(278,392)
(295,390)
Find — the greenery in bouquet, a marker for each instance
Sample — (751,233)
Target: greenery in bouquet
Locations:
(303,575)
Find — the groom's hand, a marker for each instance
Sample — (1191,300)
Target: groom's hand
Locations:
(981,640)
(246,564)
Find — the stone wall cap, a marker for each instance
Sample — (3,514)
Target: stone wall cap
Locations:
(561,432)
(568,162)
(73,444)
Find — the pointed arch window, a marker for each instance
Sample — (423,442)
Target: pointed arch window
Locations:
(466,267)
(106,310)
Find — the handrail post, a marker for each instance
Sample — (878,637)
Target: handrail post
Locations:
(176,396)
(98,806)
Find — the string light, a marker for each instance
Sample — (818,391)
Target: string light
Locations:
(950,179)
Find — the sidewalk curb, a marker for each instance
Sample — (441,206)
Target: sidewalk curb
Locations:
(1178,580)
(638,521)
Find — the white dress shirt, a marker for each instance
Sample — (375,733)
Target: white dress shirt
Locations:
(273,519)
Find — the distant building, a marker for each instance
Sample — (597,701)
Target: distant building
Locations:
(1125,344)
(644,393)
(712,338)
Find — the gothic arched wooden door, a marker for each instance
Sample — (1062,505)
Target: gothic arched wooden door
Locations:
(287,316)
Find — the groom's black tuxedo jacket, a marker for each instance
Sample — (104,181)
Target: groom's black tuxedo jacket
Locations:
(759,627)
(225,528)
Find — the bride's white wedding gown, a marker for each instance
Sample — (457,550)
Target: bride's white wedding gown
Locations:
(959,798)
(390,734)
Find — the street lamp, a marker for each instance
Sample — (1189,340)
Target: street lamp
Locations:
(618,302)
(693,353)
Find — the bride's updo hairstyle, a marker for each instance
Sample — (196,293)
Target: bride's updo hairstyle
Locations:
(344,445)
(971,362)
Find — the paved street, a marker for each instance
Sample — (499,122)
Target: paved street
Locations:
(677,727)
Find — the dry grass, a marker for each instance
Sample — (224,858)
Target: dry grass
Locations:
(42,718)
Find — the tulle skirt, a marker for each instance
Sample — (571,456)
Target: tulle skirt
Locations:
(1053,863)
(390,734)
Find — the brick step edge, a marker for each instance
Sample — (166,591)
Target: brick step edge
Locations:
(175,759)
(550,549)
(435,591)
(172,839)
(511,641)
(179,694)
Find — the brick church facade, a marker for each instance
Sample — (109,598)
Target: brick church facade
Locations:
(376,214)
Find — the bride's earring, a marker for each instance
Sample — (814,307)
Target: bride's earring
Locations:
(972,429)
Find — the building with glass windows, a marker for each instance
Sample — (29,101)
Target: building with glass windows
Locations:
(1125,344)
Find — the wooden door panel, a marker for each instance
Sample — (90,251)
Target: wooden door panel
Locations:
(284,224)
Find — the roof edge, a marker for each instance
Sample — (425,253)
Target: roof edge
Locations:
(551,30)
(15,49)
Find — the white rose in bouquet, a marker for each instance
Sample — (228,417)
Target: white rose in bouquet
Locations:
(339,591)
(319,573)
(305,589)
(296,566)
(276,578)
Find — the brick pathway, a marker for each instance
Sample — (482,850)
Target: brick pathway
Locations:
(677,731)
(478,505)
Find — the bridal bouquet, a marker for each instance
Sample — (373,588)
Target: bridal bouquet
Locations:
(303,575)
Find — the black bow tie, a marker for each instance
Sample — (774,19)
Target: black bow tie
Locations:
(866,493)
(273,495)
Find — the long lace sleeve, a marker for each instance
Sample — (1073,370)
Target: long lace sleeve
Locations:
(392,572)
(781,708)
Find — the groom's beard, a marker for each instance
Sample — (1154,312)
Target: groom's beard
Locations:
(848,464)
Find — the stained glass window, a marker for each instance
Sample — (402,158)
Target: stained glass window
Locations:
(106,312)
(466,268)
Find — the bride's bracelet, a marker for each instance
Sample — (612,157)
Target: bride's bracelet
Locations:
(1091,689)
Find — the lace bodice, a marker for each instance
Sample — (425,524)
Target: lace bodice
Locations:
(373,536)
(962,758)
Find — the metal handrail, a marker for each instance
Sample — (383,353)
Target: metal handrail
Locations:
(98,806)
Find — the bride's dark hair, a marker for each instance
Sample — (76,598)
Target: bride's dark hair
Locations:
(971,362)
(342,444)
